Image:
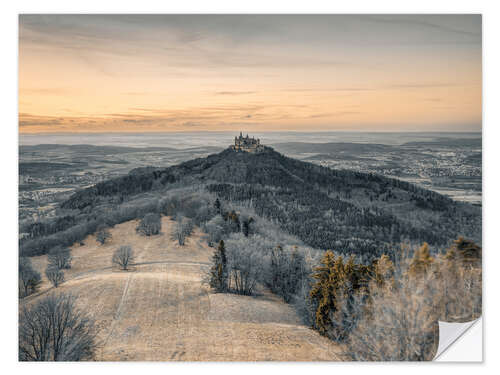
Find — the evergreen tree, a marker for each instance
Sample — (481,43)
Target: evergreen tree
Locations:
(218,272)
(465,252)
(323,291)
(218,207)
(339,287)
(382,270)
(246,226)
(422,262)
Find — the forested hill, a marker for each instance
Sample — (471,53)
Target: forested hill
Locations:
(328,209)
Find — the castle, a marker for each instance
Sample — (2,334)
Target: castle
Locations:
(247,144)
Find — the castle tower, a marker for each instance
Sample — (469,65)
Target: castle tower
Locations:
(247,144)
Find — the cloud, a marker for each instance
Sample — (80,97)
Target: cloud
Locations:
(235,92)
(54,91)
(424,21)
(421,85)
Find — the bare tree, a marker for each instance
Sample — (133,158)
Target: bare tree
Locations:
(55,275)
(53,329)
(123,257)
(102,235)
(401,324)
(244,263)
(149,225)
(183,229)
(29,279)
(60,257)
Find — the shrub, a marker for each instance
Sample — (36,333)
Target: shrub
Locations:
(103,235)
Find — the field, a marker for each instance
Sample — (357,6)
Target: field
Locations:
(160,310)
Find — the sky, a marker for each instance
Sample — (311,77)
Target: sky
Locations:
(174,73)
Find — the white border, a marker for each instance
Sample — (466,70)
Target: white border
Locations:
(491,187)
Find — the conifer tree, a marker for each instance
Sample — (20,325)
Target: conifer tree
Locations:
(422,262)
(218,272)
(339,285)
(322,294)
(382,271)
(217,206)
(465,252)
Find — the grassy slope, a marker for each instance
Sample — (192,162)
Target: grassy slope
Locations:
(160,310)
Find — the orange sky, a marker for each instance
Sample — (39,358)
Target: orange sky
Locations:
(200,73)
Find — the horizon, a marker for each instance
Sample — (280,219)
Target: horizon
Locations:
(184,140)
(265,73)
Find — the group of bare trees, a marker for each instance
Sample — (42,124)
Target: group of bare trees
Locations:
(59,258)
(54,329)
(183,228)
(150,224)
(241,263)
(287,270)
(237,270)
(29,279)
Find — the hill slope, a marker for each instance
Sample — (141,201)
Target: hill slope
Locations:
(347,211)
(160,310)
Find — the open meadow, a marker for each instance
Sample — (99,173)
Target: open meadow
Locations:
(161,310)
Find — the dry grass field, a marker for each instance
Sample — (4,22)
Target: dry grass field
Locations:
(160,310)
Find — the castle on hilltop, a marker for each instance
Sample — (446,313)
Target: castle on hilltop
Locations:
(247,144)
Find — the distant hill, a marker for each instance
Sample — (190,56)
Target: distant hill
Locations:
(337,147)
(91,149)
(448,142)
(351,212)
